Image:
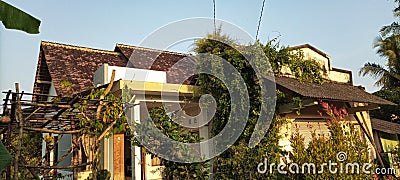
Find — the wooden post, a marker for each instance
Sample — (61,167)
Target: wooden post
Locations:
(8,134)
(20,129)
(371,140)
(8,173)
(74,151)
(94,156)
(119,159)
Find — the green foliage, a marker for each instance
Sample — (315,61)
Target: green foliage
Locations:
(298,102)
(13,18)
(174,170)
(101,175)
(111,111)
(239,156)
(394,28)
(386,112)
(30,152)
(239,160)
(387,46)
(283,57)
(5,157)
(396,155)
(96,115)
(387,75)
(344,137)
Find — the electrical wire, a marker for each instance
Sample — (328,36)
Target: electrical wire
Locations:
(215,26)
(259,21)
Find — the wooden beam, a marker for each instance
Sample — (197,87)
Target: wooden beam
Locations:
(20,132)
(366,131)
(57,167)
(5,102)
(353,110)
(51,131)
(288,108)
(61,111)
(46,105)
(43,82)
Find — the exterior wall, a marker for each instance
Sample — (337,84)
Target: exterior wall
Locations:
(339,76)
(309,120)
(326,65)
(315,56)
(286,132)
(153,172)
(153,91)
(112,145)
(52,91)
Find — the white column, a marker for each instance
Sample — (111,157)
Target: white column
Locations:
(136,153)
(108,154)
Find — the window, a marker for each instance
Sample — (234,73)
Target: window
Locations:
(307,126)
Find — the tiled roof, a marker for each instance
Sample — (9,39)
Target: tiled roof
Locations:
(140,57)
(385,126)
(58,62)
(330,90)
(73,64)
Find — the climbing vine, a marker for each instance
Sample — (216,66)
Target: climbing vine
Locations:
(239,156)
(97,125)
(167,125)
(238,160)
(284,58)
(100,115)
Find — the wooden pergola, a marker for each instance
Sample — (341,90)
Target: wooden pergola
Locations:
(24,113)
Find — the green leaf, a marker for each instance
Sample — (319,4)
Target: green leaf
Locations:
(5,157)
(14,18)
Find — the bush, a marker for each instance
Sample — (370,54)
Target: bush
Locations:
(344,145)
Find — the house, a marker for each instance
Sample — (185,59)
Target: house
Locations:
(59,63)
(337,89)
(86,68)
(386,135)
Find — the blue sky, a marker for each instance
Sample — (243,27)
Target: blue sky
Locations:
(343,29)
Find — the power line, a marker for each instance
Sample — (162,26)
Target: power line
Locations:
(215,26)
(259,21)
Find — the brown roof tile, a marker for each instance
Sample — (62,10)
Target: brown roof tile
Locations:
(330,90)
(164,60)
(385,126)
(74,64)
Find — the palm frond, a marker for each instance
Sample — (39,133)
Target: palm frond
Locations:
(372,69)
(389,30)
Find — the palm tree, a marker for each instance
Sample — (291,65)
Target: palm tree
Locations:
(388,75)
(394,28)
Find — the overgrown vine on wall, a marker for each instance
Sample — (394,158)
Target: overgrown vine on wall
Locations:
(176,170)
(239,156)
(238,160)
(282,58)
